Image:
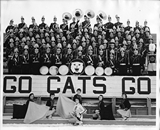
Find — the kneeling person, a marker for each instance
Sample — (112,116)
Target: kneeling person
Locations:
(50,103)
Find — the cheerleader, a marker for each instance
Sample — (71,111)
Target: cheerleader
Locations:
(124,109)
(78,112)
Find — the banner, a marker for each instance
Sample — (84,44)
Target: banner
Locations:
(91,86)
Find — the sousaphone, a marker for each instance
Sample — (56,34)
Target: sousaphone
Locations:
(67,16)
(102,15)
(90,14)
(78,14)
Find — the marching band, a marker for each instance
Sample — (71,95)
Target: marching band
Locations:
(125,50)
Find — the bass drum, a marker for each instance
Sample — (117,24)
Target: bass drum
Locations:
(89,70)
(108,71)
(99,71)
(43,70)
(53,70)
(63,70)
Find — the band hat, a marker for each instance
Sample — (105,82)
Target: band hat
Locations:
(80,48)
(105,41)
(51,31)
(43,17)
(90,48)
(112,41)
(124,42)
(59,45)
(83,39)
(48,45)
(101,47)
(69,46)
(11,40)
(116,38)
(53,38)
(147,29)
(74,41)
(11,20)
(31,30)
(33,18)
(22,17)
(109,16)
(26,47)
(33,39)
(36,45)
(63,38)
(37,36)
(43,41)
(17,39)
(133,39)
(46,35)
(23,39)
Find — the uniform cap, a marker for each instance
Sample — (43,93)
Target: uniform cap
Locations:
(53,39)
(22,17)
(36,46)
(69,46)
(43,41)
(48,45)
(17,39)
(11,40)
(33,18)
(101,47)
(59,45)
(133,39)
(80,48)
(26,47)
(90,47)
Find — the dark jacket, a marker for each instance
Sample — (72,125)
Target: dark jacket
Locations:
(50,103)
(125,104)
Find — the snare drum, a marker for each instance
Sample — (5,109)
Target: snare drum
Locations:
(63,70)
(99,71)
(53,70)
(89,70)
(44,70)
(108,71)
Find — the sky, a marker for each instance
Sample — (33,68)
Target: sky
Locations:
(134,10)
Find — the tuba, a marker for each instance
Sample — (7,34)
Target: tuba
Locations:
(90,14)
(102,15)
(67,16)
(78,13)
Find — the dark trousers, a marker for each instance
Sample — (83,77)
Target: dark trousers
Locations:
(136,70)
(122,70)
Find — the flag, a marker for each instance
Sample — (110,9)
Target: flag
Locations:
(64,106)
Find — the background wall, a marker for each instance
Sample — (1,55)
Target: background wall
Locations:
(126,9)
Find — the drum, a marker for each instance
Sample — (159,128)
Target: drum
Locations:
(63,70)
(53,70)
(89,70)
(108,71)
(99,71)
(44,70)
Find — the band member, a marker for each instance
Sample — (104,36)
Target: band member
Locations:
(109,24)
(36,61)
(74,26)
(118,23)
(25,58)
(122,62)
(47,57)
(101,59)
(43,24)
(128,26)
(135,63)
(90,59)
(57,58)
(86,22)
(10,27)
(145,26)
(99,23)
(15,62)
(54,26)
(67,58)
(22,25)
(64,26)
(137,26)
(33,25)
(112,62)
(79,54)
